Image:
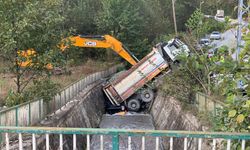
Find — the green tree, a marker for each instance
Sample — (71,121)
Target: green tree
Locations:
(80,15)
(123,20)
(29,24)
(194,23)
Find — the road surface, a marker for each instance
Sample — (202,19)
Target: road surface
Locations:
(229,39)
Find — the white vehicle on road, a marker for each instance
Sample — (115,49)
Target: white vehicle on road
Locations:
(204,42)
(215,35)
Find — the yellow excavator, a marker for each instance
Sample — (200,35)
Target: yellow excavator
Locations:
(88,41)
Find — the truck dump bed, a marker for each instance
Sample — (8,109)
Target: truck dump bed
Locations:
(136,77)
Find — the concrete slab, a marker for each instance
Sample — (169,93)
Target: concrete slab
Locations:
(128,121)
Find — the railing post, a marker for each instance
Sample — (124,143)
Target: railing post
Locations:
(74,142)
(129,143)
(47,141)
(199,143)
(54,104)
(243,145)
(16,116)
(65,96)
(228,144)
(143,143)
(60,100)
(29,114)
(115,142)
(40,115)
(69,93)
(157,143)
(185,143)
(20,141)
(61,141)
(214,144)
(214,110)
(7,141)
(205,103)
(33,141)
(74,89)
(77,87)
(101,142)
(0,119)
(88,142)
(81,84)
(171,143)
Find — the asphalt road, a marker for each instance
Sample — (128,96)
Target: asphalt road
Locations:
(228,39)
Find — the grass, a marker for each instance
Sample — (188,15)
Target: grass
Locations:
(80,71)
(7,79)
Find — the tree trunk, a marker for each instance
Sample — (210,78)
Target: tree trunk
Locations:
(18,73)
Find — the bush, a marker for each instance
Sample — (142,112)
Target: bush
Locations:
(180,85)
(211,25)
(234,118)
(13,98)
(42,88)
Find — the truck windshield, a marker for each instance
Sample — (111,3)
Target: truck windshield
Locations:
(176,43)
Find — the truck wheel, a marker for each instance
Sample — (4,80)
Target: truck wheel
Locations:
(134,105)
(147,95)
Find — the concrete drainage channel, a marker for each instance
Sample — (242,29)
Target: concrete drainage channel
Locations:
(128,121)
(87,110)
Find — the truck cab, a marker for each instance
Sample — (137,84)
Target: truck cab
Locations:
(173,48)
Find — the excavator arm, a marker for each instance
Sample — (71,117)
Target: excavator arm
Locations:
(105,41)
(96,41)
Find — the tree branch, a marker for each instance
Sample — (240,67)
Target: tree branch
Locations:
(204,87)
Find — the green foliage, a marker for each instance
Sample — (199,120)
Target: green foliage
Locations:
(80,15)
(211,25)
(184,9)
(30,24)
(200,26)
(76,55)
(210,7)
(123,20)
(14,98)
(195,21)
(180,85)
(220,75)
(235,117)
(42,88)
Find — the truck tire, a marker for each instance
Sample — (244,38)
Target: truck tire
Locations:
(147,95)
(134,105)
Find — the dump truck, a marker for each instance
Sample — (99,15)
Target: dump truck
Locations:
(130,89)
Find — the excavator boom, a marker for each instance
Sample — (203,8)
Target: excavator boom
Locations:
(89,41)
(105,41)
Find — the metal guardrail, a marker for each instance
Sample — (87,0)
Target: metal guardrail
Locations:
(205,103)
(31,112)
(115,133)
